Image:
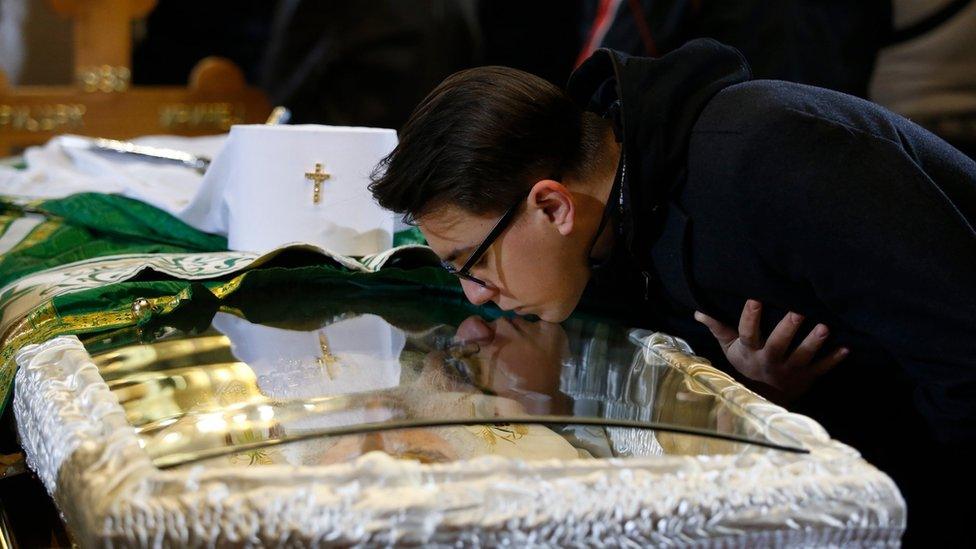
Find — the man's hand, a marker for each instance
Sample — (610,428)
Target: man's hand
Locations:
(770,363)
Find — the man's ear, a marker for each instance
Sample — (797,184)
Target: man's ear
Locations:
(554,201)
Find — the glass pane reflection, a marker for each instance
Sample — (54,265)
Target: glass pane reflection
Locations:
(418,379)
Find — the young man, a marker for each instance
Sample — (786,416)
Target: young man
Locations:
(679,187)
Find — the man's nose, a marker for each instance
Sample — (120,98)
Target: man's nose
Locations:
(476,293)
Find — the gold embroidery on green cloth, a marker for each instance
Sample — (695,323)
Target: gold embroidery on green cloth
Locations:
(43,323)
(229,287)
(39,234)
(6,219)
(30,205)
(161,305)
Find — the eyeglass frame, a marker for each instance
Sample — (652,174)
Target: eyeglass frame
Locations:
(464,272)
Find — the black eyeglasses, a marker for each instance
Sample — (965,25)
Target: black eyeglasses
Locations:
(464,271)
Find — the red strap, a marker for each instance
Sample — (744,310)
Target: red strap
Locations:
(604,18)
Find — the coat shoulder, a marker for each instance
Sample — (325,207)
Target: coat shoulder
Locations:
(766,135)
(773,106)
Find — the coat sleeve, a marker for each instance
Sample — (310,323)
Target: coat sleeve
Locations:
(867,223)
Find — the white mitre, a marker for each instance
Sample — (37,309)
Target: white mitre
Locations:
(270,186)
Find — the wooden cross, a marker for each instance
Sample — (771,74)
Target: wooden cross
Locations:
(102,102)
(317,177)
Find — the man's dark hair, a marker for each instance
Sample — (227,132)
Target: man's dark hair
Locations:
(480,139)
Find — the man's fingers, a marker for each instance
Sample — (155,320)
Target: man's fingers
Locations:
(827,363)
(782,335)
(803,355)
(722,333)
(749,332)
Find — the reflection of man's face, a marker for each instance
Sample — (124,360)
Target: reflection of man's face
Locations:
(519,359)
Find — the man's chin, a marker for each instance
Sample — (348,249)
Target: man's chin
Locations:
(552,315)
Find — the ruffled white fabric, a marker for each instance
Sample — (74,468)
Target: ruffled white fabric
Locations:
(54,171)
(254,192)
(76,437)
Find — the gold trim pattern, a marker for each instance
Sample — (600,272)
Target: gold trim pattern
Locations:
(6,219)
(104,78)
(41,118)
(201,116)
(228,287)
(491,434)
(39,234)
(44,323)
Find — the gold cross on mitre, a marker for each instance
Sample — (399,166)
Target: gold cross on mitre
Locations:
(317,177)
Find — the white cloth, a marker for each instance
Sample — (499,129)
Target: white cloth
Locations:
(256,189)
(54,171)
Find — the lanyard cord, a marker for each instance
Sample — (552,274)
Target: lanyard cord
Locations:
(615,198)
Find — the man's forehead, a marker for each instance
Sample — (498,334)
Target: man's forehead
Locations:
(452,225)
(452,230)
(441,222)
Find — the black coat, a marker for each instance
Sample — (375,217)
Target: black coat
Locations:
(810,201)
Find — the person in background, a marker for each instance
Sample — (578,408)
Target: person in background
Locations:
(927,72)
(914,57)
(370,63)
(831,45)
